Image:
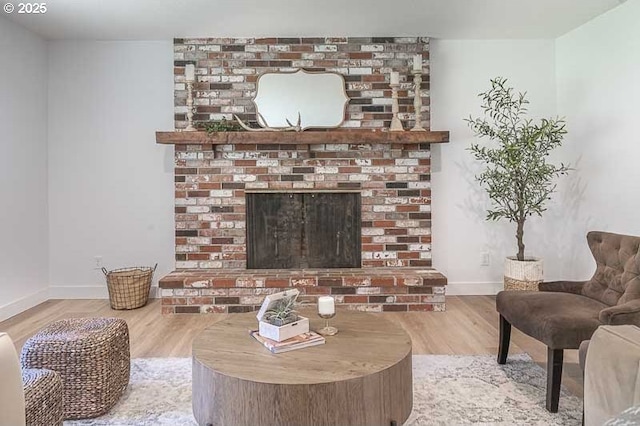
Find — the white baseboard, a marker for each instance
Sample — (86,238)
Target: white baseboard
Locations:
(474,289)
(22,304)
(78,292)
(87,292)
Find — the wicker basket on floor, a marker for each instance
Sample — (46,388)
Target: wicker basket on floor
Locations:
(92,357)
(43,397)
(129,287)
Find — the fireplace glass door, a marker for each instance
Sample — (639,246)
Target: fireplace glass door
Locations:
(303,230)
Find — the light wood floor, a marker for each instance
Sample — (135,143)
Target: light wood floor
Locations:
(468,327)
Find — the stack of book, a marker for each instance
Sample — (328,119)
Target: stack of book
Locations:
(300,341)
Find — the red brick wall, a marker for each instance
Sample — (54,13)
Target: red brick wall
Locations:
(227,70)
(394,181)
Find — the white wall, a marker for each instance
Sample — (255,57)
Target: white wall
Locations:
(110,184)
(460,69)
(598,78)
(23,170)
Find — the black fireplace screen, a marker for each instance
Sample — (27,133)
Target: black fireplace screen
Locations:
(303,230)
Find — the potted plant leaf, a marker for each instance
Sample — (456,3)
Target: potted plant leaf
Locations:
(223,125)
(283,312)
(518,177)
(277,317)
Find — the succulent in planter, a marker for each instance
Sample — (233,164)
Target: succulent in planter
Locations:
(283,312)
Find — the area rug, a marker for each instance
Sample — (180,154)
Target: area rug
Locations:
(448,390)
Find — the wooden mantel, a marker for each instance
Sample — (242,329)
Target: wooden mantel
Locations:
(308,137)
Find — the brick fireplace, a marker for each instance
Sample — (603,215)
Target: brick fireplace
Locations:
(216,174)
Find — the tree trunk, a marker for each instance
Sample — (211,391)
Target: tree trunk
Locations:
(519,237)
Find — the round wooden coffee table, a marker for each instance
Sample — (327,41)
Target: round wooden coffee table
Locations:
(360,376)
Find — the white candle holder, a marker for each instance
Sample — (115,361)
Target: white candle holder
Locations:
(327,310)
(327,330)
(417,100)
(190,108)
(396,124)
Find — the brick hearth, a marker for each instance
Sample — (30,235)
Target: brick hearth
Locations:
(242,290)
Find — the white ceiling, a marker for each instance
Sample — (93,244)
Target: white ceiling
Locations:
(451,19)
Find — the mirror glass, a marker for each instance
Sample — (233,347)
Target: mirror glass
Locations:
(319,97)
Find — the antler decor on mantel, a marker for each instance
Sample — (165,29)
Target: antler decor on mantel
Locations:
(265,126)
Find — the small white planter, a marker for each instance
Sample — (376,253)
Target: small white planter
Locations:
(522,275)
(284,332)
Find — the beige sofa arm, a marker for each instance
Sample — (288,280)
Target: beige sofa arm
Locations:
(574,287)
(12,408)
(611,382)
(626,313)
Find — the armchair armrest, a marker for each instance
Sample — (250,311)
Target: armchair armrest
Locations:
(574,287)
(611,373)
(626,313)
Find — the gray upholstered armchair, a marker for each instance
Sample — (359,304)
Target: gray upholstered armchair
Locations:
(564,313)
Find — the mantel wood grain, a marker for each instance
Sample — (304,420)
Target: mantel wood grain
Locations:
(360,376)
(302,138)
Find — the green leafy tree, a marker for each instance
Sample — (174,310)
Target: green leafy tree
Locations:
(517,176)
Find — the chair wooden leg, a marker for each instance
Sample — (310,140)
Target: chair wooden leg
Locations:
(505,337)
(554,378)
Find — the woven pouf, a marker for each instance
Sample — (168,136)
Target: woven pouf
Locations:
(43,397)
(92,357)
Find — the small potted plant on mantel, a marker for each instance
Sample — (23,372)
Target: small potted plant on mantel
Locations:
(216,126)
(517,177)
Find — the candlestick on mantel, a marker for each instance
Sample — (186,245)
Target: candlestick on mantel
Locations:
(417,62)
(190,72)
(396,124)
(417,100)
(394,77)
(190,76)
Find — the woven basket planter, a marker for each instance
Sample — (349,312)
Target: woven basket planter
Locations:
(129,287)
(522,275)
(91,355)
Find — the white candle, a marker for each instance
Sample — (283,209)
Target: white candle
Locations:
(417,62)
(326,305)
(190,72)
(394,77)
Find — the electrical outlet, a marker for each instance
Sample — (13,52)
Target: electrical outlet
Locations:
(97,262)
(485,258)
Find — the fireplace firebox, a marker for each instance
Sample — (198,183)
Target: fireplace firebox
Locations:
(303,230)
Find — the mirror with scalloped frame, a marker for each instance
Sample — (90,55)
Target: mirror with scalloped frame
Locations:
(309,98)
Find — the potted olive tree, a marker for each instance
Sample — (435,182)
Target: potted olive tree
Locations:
(517,176)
